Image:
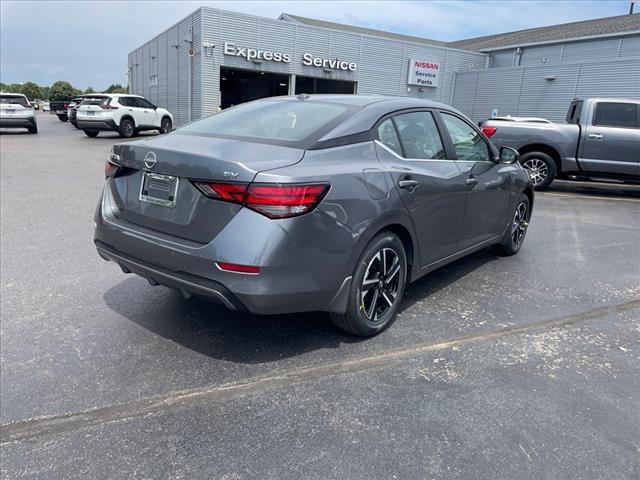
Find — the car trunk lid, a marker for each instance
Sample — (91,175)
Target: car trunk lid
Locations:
(168,165)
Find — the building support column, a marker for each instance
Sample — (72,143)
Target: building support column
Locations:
(292,84)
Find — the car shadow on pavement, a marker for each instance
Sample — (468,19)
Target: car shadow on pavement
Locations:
(208,328)
(14,132)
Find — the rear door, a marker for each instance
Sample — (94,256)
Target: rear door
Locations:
(487,183)
(611,142)
(431,185)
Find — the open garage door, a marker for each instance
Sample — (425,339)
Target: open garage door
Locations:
(239,86)
(323,85)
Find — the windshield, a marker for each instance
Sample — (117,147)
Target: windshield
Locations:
(272,121)
(14,100)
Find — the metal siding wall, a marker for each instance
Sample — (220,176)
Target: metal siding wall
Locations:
(591,49)
(458,61)
(464,94)
(547,98)
(611,79)
(196,83)
(504,58)
(536,55)
(497,91)
(539,97)
(211,25)
(630,46)
(163,84)
(173,92)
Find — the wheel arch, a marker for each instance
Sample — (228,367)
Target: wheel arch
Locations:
(544,148)
(126,116)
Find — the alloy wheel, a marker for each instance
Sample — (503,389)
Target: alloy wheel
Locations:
(520,224)
(166,128)
(537,170)
(381,284)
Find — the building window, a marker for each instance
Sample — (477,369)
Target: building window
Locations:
(153,81)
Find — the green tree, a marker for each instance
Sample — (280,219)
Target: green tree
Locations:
(45,93)
(116,88)
(89,90)
(61,90)
(31,90)
(14,88)
(3,87)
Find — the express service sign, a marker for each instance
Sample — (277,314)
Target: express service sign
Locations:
(423,74)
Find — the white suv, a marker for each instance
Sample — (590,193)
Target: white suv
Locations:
(125,114)
(17,112)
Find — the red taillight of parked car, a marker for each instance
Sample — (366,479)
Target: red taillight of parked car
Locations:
(111,169)
(271,200)
(488,131)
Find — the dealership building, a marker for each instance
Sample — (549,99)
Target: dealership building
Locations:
(214,59)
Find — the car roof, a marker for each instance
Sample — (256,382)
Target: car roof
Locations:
(369,109)
(13,94)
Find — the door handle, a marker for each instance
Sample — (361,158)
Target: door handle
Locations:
(596,136)
(408,184)
(471,181)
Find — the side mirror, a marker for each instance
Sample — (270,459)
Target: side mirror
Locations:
(508,155)
(155,107)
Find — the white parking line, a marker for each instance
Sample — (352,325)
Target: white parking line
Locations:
(592,197)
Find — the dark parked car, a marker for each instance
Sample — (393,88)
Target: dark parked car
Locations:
(59,108)
(72,110)
(321,202)
(599,141)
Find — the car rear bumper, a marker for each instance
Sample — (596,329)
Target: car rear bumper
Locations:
(24,122)
(291,279)
(96,125)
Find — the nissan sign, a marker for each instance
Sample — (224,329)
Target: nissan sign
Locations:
(423,74)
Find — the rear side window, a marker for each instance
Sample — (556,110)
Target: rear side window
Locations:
(419,135)
(125,101)
(14,100)
(609,114)
(273,121)
(389,137)
(468,143)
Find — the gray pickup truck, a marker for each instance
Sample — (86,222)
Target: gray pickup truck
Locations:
(600,140)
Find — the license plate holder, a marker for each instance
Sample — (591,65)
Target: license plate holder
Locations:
(159,189)
(10,111)
(90,113)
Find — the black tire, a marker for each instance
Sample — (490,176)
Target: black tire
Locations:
(514,236)
(166,126)
(371,313)
(63,118)
(91,133)
(541,168)
(127,128)
(33,129)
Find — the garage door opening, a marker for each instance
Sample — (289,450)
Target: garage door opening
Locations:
(239,86)
(324,85)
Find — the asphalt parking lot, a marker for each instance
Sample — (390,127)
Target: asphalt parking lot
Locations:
(525,367)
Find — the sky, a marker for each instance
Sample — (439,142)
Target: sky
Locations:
(87,42)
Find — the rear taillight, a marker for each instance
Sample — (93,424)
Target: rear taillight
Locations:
(271,200)
(112,167)
(283,201)
(488,131)
(66,105)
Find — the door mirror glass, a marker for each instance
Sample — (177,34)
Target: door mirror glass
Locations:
(508,155)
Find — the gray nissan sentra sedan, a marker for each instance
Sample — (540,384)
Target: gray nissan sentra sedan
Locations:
(314,202)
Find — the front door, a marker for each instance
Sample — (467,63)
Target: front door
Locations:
(611,143)
(431,186)
(487,182)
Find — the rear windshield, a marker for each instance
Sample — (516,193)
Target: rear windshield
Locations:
(273,121)
(94,100)
(14,100)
